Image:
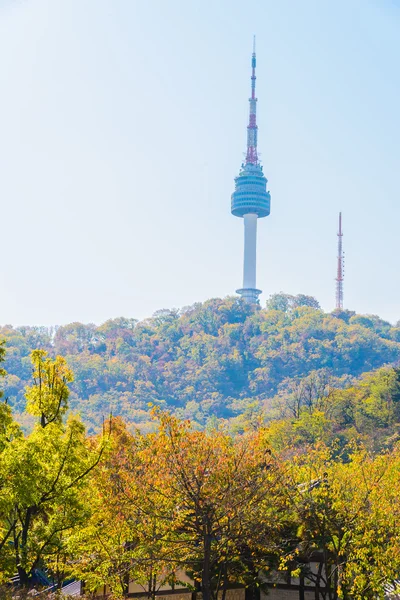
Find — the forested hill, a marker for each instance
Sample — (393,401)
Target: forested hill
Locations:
(207,360)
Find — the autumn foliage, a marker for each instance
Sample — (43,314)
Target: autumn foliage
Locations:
(222,359)
(311,478)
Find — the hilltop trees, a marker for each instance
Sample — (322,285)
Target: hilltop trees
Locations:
(2,357)
(207,361)
(286,302)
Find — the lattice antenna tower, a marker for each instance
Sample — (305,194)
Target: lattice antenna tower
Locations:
(340,267)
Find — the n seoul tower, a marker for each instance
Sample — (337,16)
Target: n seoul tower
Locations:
(250,200)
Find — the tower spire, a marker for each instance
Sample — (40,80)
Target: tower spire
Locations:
(340,268)
(251,155)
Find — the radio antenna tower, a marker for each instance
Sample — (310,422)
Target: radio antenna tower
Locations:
(340,268)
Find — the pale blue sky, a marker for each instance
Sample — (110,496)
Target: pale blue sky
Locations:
(123,124)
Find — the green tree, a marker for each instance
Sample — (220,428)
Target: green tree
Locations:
(348,519)
(9,430)
(2,356)
(43,473)
(48,397)
(304,300)
(287,302)
(280,302)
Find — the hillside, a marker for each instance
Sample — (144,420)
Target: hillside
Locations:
(209,360)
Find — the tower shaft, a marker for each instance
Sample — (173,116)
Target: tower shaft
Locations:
(250,250)
(340,270)
(249,292)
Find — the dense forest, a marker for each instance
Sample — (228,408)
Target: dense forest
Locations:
(223,359)
(220,509)
(243,441)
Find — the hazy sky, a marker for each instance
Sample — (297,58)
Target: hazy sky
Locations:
(123,125)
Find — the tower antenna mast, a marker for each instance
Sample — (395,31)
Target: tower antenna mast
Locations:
(340,267)
(251,154)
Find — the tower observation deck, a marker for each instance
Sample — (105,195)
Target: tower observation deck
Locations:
(251,200)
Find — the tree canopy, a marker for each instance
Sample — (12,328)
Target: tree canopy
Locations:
(208,361)
(311,477)
(42,474)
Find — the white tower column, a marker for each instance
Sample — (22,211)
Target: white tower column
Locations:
(249,292)
(250,251)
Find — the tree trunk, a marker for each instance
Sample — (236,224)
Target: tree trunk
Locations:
(23,550)
(224,579)
(206,573)
(154,587)
(301,587)
(22,574)
(150,584)
(318,581)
